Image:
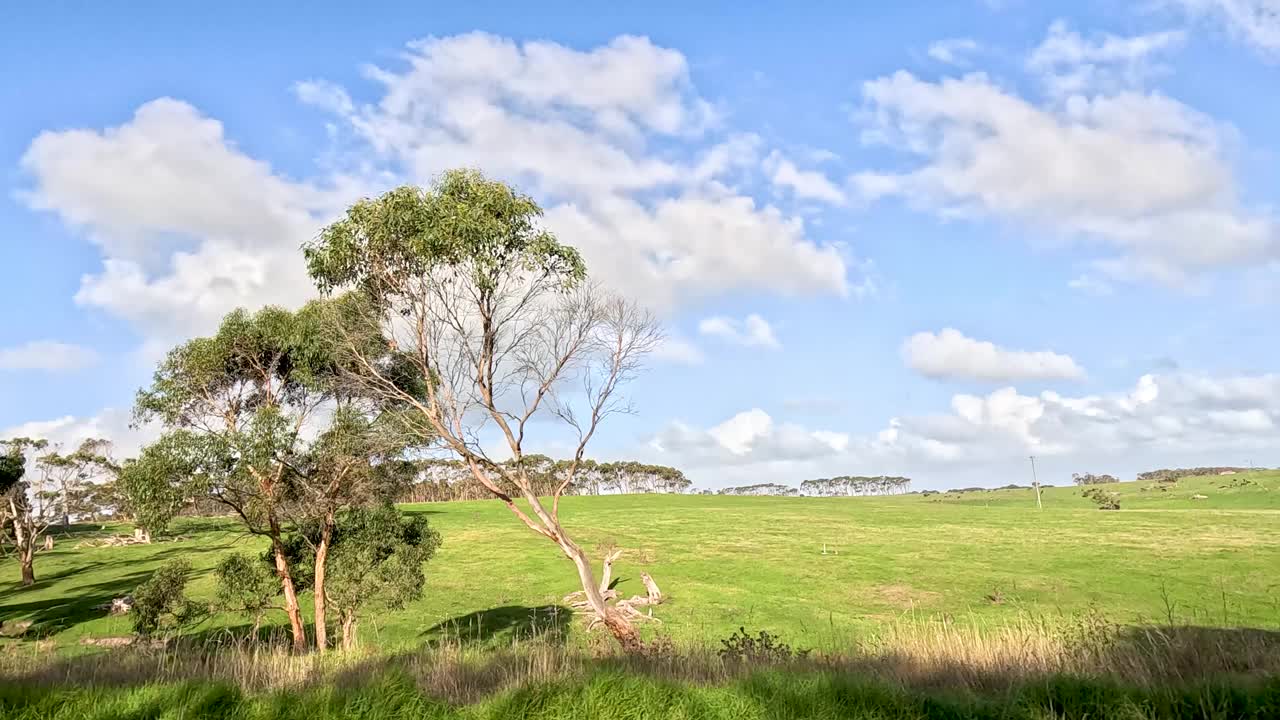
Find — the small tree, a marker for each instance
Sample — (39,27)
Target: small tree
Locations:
(246,585)
(491,314)
(238,404)
(377,562)
(28,510)
(160,604)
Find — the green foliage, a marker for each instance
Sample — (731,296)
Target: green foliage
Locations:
(246,585)
(375,557)
(1091,479)
(1174,474)
(761,648)
(438,480)
(160,604)
(465,223)
(12,467)
(775,489)
(157,484)
(1103,499)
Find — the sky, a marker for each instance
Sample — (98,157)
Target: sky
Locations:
(931,239)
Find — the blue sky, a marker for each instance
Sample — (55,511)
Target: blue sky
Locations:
(928,240)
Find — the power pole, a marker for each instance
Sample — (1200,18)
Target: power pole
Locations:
(1035,482)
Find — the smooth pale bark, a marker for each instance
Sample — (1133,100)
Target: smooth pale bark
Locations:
(290,597)
(348,630)
(321,600)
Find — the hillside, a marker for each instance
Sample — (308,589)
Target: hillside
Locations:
(975,557)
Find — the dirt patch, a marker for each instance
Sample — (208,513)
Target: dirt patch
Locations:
(903,596)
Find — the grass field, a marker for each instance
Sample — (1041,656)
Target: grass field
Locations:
(725,562)
(952,605)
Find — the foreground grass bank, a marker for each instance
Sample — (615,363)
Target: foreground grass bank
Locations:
(615,695)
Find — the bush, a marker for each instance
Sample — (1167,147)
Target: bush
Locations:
(160,603)
(246,585)
(1104,500)
(762,648)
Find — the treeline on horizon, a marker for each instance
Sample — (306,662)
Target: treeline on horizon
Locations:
(440,480)
(827,487)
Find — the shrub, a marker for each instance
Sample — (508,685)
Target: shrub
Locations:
(1104,500)
(762,648)
(246,585)
(160,603)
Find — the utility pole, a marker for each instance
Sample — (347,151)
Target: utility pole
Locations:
(1035,482)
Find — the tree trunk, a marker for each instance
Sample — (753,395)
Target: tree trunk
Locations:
(321,601)
(618,625)
(290,595)
(348,630)
(28,555)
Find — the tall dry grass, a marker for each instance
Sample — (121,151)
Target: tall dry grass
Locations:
(912,653)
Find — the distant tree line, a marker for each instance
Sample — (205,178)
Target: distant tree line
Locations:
(826,487)
(856,485)
(1174,474)
(438,480)
(1091,479)
(773,489)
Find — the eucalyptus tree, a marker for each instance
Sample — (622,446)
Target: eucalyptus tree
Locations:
(24,520)
(494,316)
(260,422)
(35,501)
(237,405)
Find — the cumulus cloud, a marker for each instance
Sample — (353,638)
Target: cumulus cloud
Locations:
(1071,63)
(804,184)
(1171,413)
(1160,419)
(1256,22)
(950,354)
(1136,172)
(185,220)
(46,355)
(68,431)
(751,331)
(582,128)
(751,436)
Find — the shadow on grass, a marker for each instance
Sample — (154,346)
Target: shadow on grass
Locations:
(503,626)
(54,615)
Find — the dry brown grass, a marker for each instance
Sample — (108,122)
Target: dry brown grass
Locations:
(913,653)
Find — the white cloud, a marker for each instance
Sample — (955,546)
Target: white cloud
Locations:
(678,350)
(69,431)
(750,436)
(1174,413)
(804,184)
(582,129)
(950,354)
(1256,22)
(1138,173)
(953,50)
(46,355)
(190,227)
(1163,420)
(1071,63)
(751,331)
